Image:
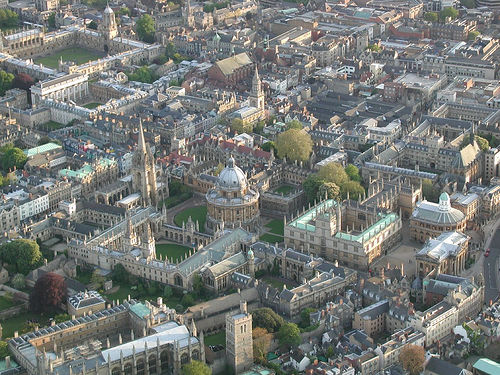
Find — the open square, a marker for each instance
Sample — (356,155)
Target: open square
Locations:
(77,55)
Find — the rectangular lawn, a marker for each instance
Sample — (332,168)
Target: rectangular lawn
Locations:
(284,189)
(171,250)
(76,54)
(197,214)
(277,227)
(271,238)
(216,339)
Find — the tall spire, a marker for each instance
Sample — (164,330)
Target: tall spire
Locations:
(141,143)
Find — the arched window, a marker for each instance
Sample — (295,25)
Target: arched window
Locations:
(184,359)
(128,368)
(196,355)
(140,367)
(115,371)
(152,364)
(164,360)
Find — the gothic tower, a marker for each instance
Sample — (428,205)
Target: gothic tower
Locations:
(108,26)
(257,95)
(239,342)
(187,14)
(143,171)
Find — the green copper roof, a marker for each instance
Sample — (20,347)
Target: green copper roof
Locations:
(41,149)
(370,232)
(85,170)
(303,222)
(140,310)
(487,366)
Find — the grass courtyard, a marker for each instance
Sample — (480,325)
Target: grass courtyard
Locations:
(77,55)
(7,303)
(216,339)
(171,250)
(284,189)
(271,238)
(276,226)
(273,281)
(19,323)
(92,105)
(198,213)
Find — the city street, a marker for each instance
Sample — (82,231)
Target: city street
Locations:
(491,271)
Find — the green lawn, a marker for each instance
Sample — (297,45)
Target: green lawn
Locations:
(276,226)
(6,303)
(122,293)
(19,322)
(216,339)
(75,54)
(171,250)
(83,275)
(51,125)
(284,189)
(198,213)
(92,105)
(271,238)
(278,284)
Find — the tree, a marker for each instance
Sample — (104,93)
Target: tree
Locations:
(289,335)
(268,146)
(49,292)
(311,186)
(124,11)
(483,143)
(5,80)
(23,255)
(145,28)
(412,358)
(261,343)
(353,172)
(354,189)
(267,319)
(473,35)
(51,20)
(44,140)
(60,318)
(92,25)
(238,126)
(259,127)
(97,279)
(294,124)
(294,144)
(448,12)
(120,274)
(429,191)
(8,18)
(4,349)
(330,190)
(23,81)
(218,169)
(143,74)
(196,368)
(167,292)
(12,157)
(305,319)
(333,172)
(431,17)
(187,300)
(18,281)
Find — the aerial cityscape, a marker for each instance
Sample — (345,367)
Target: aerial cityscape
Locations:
(250,187)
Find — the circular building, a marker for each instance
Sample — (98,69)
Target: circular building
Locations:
(231,203)
(430,219)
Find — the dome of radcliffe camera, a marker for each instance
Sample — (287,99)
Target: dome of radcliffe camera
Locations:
(231,177)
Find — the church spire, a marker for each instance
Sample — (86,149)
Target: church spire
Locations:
(141,143)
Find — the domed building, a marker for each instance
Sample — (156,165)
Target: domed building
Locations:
(429,219)
(232,203)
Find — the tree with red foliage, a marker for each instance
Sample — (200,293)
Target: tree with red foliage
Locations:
(49,292)
(23,81)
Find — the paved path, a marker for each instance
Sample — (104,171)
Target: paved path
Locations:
(491,263)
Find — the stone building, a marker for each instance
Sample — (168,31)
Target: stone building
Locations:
(239,341)
(431,219)
(232,203)
(353,234)
(128,338)
(445,254)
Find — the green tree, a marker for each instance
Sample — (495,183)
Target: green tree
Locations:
(261,343)
(23,255)
(44,140)
(374,47)
(294,144)
(97,279)
(305,320)
(187,300)
(218,169)
(330,190)
(473,35)
(196,368)
(8,19)
(354,189)
(311,186)
(431,17)
(145,28)
(167,292)
(430,192)
(6,80)
(18,281)
(12,157)
(268,146)
(289,335)
(353,172)
(333,172)
(143,74)
(448,12)
(124,11)
(93,25)
(259,127)
(267,319)
(120,274)
(294,124)
(238,126)
(4,349)
(60,318)
(52,20)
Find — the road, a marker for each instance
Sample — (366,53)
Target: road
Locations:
(490,270)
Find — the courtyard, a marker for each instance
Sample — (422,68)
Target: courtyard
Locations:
(284,189)
(273,231)
(171,250)
(77,55)
(197,213)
